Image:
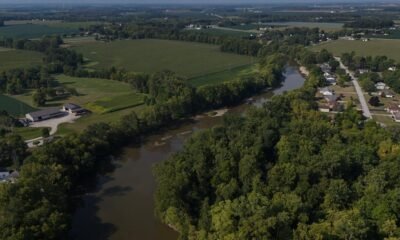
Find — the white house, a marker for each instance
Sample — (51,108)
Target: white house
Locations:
(392,69)
(326,91)
(362,71)
(380,86)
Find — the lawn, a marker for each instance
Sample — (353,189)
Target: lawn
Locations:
(28,133)
(11,58)
(389,48)
(150,55)
(13,106)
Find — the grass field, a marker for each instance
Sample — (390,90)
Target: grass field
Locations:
(39,29)
(320,25)
(389,48)
(11,58)
(224,32)
(28,133)
(223,76)
(101,95)
(185,58)
(13,106)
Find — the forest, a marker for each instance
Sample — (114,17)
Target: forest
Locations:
(285,171)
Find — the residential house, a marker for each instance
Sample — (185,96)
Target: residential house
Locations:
(393,108)
(396,117)
(386,93)
(74,109)
(392,69)
(326,68)
(362,71)
(44,114)
(380,86)
(326,91)
(8,176)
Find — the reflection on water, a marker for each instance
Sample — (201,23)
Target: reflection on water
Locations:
(123,207)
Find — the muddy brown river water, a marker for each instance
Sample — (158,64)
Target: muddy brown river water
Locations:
(122,206)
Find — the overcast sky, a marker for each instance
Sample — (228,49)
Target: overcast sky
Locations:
(187,1)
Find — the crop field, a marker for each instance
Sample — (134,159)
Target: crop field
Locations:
(375,47)
(185,58)
(11,58)
(320,25)
(225,32)
(36,30)
(101,95)
(223,76)
(13,106)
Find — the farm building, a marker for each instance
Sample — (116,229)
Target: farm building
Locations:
(44,114)
(73,108)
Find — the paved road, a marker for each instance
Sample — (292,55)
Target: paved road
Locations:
(363,102)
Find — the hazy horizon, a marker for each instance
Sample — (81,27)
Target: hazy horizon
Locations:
(198,2)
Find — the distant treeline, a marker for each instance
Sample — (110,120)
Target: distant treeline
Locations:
(370,22)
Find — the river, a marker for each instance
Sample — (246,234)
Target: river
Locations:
(122,206)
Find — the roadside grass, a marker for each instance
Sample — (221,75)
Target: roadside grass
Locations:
(12,58)
(375,47)
(150,55)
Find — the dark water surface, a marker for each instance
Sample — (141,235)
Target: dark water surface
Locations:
(122,207)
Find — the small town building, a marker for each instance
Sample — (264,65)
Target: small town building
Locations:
(396,117)
(8,176)
(74,109)
(380,86)
(326,68)
(386,93)
(393,108)
(44,114)
(326,91)
(331,80)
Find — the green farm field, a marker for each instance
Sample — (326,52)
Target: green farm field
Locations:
(101,95)
(375,47)
(223,76)
(185,58)
(11,58)
(321,25)
(14,106)
(37,30)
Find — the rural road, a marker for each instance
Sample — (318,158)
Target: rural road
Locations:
(361,97)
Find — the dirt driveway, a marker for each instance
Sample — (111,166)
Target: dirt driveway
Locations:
(54,122)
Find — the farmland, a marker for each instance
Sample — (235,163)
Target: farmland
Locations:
(389,48)
(101,95)
(13,106)
(185,58)
(11,58)
(223,76)
(320,25)
(36,28)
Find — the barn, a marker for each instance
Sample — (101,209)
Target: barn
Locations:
(44,114)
